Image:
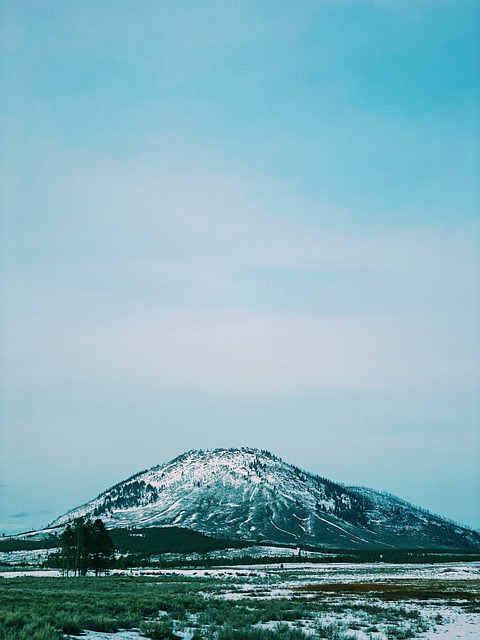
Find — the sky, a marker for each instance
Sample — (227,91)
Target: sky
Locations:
(239,223)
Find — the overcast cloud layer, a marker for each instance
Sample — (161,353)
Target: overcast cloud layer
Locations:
(239,225)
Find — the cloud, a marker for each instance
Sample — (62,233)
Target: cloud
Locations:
(199,280)
(244,353)
(21,514)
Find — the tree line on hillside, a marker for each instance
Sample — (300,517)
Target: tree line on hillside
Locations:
(390,556)
(85,545)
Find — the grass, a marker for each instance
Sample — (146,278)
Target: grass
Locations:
(164,606)
(63,605)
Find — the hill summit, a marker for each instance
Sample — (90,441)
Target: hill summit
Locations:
(253,495)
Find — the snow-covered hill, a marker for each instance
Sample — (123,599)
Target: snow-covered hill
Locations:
(251,494)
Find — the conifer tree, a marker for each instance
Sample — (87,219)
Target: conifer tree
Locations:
(68,543)
(101,547)
(86,545)
(82,534)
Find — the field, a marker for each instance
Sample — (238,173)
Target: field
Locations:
(291,602)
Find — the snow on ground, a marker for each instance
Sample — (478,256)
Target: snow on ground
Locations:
(120,635)
(22,573)
(304,573)
(33,557)
(462,626)
(256,551)
(351,572)
(445,616)
(241,572)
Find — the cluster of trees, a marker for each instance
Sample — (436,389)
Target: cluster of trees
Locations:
(86,544)
(126,494)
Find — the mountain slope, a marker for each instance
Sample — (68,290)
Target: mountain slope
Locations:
(253,495)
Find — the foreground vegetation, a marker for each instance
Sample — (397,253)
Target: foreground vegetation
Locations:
(221,607)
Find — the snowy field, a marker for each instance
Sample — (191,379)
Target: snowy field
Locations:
(337,601)
(33,557)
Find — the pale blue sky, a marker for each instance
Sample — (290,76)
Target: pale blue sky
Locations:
(239,223)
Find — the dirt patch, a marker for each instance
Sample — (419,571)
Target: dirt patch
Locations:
(393,589)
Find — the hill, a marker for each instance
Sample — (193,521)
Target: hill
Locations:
(252,495)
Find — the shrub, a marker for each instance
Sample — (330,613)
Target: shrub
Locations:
(281,631)
(101,623)
(399,632)
(68,624)
(158,630)
(331,631)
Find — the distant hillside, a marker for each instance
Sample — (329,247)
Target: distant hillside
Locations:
(157,540)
